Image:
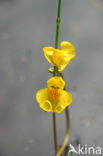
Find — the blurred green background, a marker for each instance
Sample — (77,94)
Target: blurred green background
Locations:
(26,26)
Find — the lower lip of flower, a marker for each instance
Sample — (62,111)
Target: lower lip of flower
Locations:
(54,94)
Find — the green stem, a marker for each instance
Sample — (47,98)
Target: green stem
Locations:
(71,153)
(57,31)
(54,132)
(54,121)
(57,25)
(55,70)
(62,148)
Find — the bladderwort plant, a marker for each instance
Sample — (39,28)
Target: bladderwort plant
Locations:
(55,98)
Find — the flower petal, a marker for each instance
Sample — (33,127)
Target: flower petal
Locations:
(48,53)
(42,95)
(59,109)
(68,48)
(46,106)
(43,100)
(64,101)
(56,82)
(65,62)
(59,57)
(67,98)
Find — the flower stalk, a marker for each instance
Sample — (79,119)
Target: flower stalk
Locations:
(54,132)
(60,150)
(55,71)
(58,24)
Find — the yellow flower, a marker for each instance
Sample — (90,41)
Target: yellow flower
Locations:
(54,98)
(60,57)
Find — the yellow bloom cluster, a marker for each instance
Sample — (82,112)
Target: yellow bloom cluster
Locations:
(54,98)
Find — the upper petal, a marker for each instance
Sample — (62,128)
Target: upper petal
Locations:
(68,48)
(65,62)
(56,82)
(48,53)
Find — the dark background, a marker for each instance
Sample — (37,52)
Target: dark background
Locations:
(26,26)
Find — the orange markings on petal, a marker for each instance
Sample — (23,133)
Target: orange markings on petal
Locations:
(54,94)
